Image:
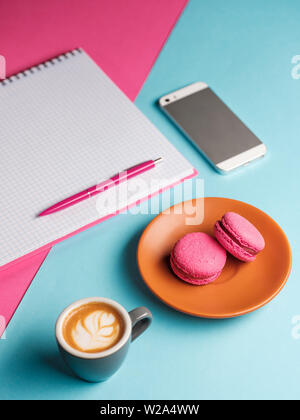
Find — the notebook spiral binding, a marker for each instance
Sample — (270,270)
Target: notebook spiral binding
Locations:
(40,67)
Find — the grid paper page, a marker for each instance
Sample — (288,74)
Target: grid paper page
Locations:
(64,127)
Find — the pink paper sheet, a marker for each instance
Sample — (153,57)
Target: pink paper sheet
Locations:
(123,37)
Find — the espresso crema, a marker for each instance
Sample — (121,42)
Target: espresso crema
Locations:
(93,327)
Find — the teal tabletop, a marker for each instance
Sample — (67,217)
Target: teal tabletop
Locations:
(247,52)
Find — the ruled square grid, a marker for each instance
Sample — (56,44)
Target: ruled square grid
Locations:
(65,126)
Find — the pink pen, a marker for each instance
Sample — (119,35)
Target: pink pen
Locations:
(103,186)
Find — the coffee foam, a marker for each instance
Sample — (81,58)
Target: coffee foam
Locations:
(93,327)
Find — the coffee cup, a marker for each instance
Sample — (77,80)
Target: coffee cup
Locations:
(94,334)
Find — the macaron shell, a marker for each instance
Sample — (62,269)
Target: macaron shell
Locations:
(231,246)
(199,255)
(243,231)
(197,282)
(197,258)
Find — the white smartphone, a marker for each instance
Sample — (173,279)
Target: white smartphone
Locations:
(219,134)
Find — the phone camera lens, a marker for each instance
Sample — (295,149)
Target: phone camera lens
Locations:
(167,100)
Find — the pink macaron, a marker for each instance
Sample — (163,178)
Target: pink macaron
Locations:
(197,258)
(239,237)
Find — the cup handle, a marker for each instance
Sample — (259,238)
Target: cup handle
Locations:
(141,319)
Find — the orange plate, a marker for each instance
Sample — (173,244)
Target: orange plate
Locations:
(241,288)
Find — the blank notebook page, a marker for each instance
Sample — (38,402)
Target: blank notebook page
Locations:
(64,127)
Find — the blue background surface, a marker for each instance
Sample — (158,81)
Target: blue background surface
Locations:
(243,50)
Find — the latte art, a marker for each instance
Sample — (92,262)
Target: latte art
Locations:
(93,327)
(98,330)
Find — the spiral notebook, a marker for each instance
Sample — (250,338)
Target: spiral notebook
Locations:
(65,126)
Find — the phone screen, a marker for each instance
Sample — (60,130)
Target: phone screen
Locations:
(215,129)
